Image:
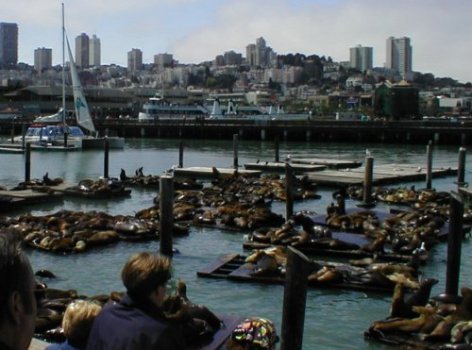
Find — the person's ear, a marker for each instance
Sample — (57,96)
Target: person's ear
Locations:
(15,307)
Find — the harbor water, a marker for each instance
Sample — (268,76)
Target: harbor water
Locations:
(334,319)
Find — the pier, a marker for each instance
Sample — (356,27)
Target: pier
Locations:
(315,130)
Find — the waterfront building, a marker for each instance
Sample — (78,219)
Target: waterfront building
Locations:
(396,101)
(399,55)
(42,59)
(8,45)
(135,60)
(360,58)
(82,47)
(94,51)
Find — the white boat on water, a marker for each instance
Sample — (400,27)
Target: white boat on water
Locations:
(157,108)
(52,130)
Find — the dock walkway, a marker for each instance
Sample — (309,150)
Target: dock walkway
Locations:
(280,166)
(383,174)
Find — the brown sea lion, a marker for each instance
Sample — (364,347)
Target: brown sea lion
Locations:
(407,325)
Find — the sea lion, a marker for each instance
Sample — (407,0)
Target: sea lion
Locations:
(407,325)
(326,275)
(45,274)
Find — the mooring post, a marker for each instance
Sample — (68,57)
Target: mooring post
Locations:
(368,179)
(166,222)
(28,162)
(293,316)
(454,245)
(288,190)
(276,149)
(429,165)
(23,134)
(65,138)
(106,147)
(181,154)
(461,167)
(12,133)
(235,150)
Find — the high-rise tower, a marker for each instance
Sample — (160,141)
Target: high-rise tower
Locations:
(94,52)
(399,55)
(360,58)
(42,59)
(8,44)
(135,60)
(82,50)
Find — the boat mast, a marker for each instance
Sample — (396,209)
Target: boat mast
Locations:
(63,70)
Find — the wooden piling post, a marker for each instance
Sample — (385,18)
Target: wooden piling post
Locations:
(235,151)
(66,134)
(461,167)
(28,162)
(181,154)
(166,221)
(106,147)
(368,179)
(288,190)
(454,245)
(276,149)
(12,133)
(429,165)
(293,316)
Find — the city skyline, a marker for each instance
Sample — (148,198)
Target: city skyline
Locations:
(198,30)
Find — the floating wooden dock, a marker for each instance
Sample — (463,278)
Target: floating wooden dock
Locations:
(212,172)
(328,162)
(280,166)
(233,267)
(11,200)
(18,148)
(383,174)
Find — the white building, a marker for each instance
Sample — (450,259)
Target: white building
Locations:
(135,60)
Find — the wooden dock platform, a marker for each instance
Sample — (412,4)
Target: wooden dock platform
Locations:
(11,200)
(233,267)
(383,174)
(212,172)
(280,166)
(328,162)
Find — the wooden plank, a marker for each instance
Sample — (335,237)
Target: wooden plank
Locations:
(330,163)
(213,172)
(280,166)
(220,261)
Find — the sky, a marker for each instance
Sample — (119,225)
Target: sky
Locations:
(194,31)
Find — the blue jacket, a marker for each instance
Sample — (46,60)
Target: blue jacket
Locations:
(129,325)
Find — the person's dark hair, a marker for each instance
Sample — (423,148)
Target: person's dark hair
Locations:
(15,273)
(144,272)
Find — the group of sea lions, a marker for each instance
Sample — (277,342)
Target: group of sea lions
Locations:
(431,321)
(74,231)
(272,262)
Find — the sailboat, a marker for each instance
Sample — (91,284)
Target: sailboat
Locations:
(52,132)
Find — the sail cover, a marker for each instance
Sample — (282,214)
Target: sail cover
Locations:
(82,111)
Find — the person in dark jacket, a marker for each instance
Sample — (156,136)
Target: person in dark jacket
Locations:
(137,322)
(18,305)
